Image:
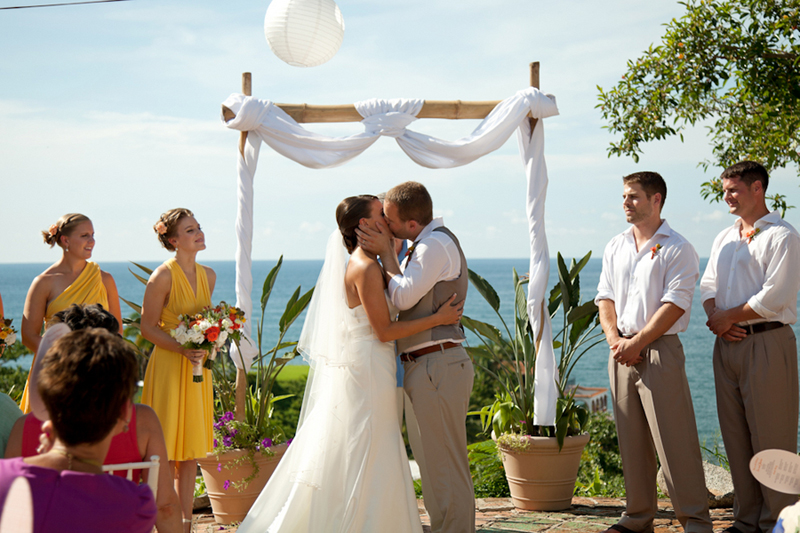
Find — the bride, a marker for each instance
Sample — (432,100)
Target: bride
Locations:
(347,469)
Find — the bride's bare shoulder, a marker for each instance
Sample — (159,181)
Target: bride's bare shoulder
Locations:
(361,265)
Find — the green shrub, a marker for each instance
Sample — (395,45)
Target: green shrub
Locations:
(13,378)
(600,473)
(486,467)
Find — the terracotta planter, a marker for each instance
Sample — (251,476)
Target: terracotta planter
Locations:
(541,478)
(231,505)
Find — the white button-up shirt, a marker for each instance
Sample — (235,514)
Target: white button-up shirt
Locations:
(762,272)
(639,282)
(435,258)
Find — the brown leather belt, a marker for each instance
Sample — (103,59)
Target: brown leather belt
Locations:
(412,356)
(761,327)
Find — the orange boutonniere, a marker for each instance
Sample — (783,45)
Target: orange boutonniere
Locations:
(750,235)
(654,251)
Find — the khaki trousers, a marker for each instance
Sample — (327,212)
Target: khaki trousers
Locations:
(757,403)
(653,412)
(439,385)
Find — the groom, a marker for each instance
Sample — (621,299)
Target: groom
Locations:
(438,371)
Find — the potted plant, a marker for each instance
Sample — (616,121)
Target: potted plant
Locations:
(541,462)
(246,452)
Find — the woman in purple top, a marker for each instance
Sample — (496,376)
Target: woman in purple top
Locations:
(87,383)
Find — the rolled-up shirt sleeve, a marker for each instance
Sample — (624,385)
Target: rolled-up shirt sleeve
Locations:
(781,281)
(431,262)
(681,276)
(605,287)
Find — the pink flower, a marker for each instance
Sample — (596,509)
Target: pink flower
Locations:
(161,228)
(752,234)
(227,484)
(219,467)
(53,229)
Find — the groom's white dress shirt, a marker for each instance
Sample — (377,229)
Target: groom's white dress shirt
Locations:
(434,258)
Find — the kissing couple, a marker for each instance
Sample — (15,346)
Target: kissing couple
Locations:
(347,468)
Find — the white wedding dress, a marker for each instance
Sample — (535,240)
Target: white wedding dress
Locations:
(346,469)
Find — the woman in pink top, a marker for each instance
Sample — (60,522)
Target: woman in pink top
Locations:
(86,383)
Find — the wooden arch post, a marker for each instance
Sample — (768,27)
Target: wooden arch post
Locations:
(305,113)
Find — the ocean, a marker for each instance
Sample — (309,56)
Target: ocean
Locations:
(591,371)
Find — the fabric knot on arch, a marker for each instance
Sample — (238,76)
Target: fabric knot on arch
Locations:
(266,122)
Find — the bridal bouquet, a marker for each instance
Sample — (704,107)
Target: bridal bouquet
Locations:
(209,330)
(7,334)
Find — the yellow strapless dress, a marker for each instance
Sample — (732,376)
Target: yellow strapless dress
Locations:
(185,408)
(88,288)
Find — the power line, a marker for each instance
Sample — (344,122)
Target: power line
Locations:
(65,4)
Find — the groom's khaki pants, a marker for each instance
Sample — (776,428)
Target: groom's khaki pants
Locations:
(439,385)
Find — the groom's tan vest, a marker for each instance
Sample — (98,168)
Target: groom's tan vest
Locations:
(432,301)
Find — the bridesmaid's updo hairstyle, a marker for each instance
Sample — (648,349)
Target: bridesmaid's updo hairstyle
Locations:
(65,226)
(350,211)
(167,225)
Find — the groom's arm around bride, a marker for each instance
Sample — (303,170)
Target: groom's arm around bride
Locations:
(438,371)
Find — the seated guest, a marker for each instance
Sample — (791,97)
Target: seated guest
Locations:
(143,439)
(87,381)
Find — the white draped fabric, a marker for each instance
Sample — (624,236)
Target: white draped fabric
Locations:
(266,122)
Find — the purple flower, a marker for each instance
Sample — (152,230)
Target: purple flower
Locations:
(219,467)
(227,417)
(226,441)
(227,484)
(288,442)
(234,432)
(266,443)
(216,443)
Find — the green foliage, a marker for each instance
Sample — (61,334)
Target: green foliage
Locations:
(511,360)
(13,378)
(715,453)
(486,467)
(600,473)
(262,396)
(730,63)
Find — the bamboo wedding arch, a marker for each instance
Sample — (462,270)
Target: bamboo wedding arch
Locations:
(278,125)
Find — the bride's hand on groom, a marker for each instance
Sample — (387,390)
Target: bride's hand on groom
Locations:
(378,240)
(450,312)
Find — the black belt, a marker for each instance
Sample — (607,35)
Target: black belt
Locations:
(412,356)
(761,327)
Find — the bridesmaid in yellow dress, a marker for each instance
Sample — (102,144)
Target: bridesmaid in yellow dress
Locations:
(185,408)
(73,279)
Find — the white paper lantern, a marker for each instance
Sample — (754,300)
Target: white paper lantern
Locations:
(304,33)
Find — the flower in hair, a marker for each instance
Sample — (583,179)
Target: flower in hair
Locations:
(161,228)
(53,229)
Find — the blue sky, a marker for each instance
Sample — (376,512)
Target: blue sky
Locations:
(112,110)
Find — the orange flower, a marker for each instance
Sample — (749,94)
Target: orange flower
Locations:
(654,251)
(212,333)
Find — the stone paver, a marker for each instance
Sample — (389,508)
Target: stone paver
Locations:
(498,515)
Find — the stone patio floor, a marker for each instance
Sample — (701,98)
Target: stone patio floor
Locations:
(497,515)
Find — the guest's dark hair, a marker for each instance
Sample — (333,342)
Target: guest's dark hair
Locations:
(348,214)
(64,226)
(748,172)
(87,378)
(167,225)
(651,182)
(87,316)
(412,201)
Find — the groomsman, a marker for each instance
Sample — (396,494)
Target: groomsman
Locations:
(645,297)
(749,292)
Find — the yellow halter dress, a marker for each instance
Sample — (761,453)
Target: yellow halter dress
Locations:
(87,289)
(185,408)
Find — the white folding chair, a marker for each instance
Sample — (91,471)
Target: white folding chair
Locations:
(17,514)
(152,465)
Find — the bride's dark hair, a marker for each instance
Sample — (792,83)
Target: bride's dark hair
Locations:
(348,214)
